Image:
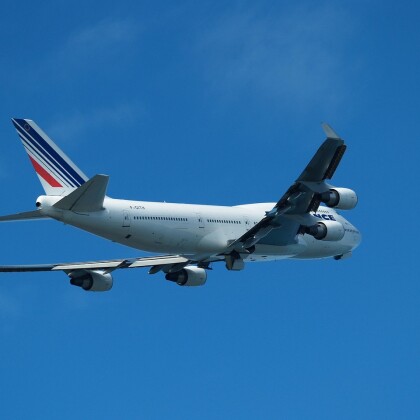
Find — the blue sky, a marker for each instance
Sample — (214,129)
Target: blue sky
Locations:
(217,103)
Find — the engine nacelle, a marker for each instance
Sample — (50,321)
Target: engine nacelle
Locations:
(340,198)
(91,280)
(189,276)
(326,231)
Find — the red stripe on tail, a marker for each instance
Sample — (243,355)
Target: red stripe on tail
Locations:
(44,174)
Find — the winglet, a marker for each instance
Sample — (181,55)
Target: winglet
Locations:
(329,132)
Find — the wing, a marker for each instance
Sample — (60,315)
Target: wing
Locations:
(282,223)
(159,263)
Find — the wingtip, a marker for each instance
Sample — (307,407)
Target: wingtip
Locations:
(329,132)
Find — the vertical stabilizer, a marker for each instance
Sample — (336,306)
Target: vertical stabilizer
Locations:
(57,173)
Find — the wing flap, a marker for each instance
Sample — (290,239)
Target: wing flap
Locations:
(89,265)
(335,161)
(149,262)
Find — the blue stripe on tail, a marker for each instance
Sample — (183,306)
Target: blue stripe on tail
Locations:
(48,152)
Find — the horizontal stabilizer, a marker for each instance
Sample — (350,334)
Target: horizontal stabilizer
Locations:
(27,215)
(88,197)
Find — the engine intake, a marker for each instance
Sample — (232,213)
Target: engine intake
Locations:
(189,276)
(91,280)
(326,231)
(340,198)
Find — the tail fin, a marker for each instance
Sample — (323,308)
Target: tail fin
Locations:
(57,173)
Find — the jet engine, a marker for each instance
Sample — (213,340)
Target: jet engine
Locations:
(340,198)
(91,280)
(188,276)
(326,231)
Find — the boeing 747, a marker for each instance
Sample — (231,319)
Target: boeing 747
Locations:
(191,237)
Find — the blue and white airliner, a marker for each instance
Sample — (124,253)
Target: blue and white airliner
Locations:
(191,237)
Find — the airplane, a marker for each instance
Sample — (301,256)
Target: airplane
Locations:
(191,237)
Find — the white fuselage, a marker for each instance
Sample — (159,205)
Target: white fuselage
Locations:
(196,229)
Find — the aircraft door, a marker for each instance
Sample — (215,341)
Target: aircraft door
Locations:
(126,218)
(200,221)
(247,223)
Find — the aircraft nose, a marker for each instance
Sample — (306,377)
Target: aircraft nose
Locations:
(357,237)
